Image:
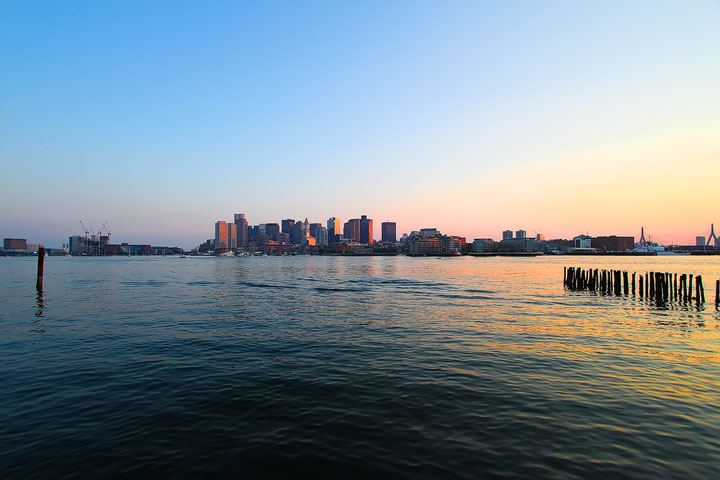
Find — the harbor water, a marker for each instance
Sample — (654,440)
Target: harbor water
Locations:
(353,367)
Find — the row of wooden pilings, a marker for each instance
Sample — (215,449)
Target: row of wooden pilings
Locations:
(661,286)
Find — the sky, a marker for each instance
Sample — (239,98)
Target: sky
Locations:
(473,117)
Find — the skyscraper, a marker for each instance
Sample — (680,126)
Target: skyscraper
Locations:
(321,235)
(221,234)
(296,235)
(287,226)
(241,226)
(334,227)
(351,230)
(366,230)
(389,232)
(272,230)
(232,235)
(520,234)
(507,235)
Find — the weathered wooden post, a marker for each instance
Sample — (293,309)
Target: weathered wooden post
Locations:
(633,284)
(652,284)
(640,286)
(699,289)
(626,286)
(40,268)
(690,288)
(717,292)
(564,275)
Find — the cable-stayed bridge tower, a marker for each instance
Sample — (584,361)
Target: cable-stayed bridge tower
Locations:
(712,236)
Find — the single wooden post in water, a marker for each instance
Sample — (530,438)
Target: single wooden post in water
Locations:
(690,288)
(626,283)
(617,282)
(699,290)
(633,284)
(652,285)
(41,268)
(717,292)
(640,286)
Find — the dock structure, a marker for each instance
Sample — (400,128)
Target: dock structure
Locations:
(660,287)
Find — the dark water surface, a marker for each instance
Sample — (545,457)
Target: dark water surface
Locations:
(353,368)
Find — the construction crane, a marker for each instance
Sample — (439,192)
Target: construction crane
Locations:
(104,227)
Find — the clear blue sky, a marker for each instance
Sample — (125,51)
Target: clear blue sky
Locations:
(167,116)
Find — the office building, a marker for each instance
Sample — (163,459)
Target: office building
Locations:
(221,234)
(699,241)
(351,230)
(366,230)
(334,227)
(232,235)
(241,227)
(272,230)
(388,232)
(16,245)
(296,235)
(613,243)
(321,235)
(520,234)
(287,226)
(484,245)
(507,235)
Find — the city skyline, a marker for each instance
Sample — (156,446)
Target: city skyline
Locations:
(472,117)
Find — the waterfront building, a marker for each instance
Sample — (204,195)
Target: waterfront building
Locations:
(221,234)
(389,232)
(334,228)
(613,243)
(437,245)
(351,230)
(428,232)
(518,245)
(241,226)
(507,234)
(520,234)
(16,245)
(78,244)
(700,241)
(366,230)
(583,241)
(484,245)
(283,238)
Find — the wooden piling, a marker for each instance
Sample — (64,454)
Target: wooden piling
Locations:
(702,289)
(40,268)
(690,288)
(640,286)
(626,283)
(717,292)
(633,284)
